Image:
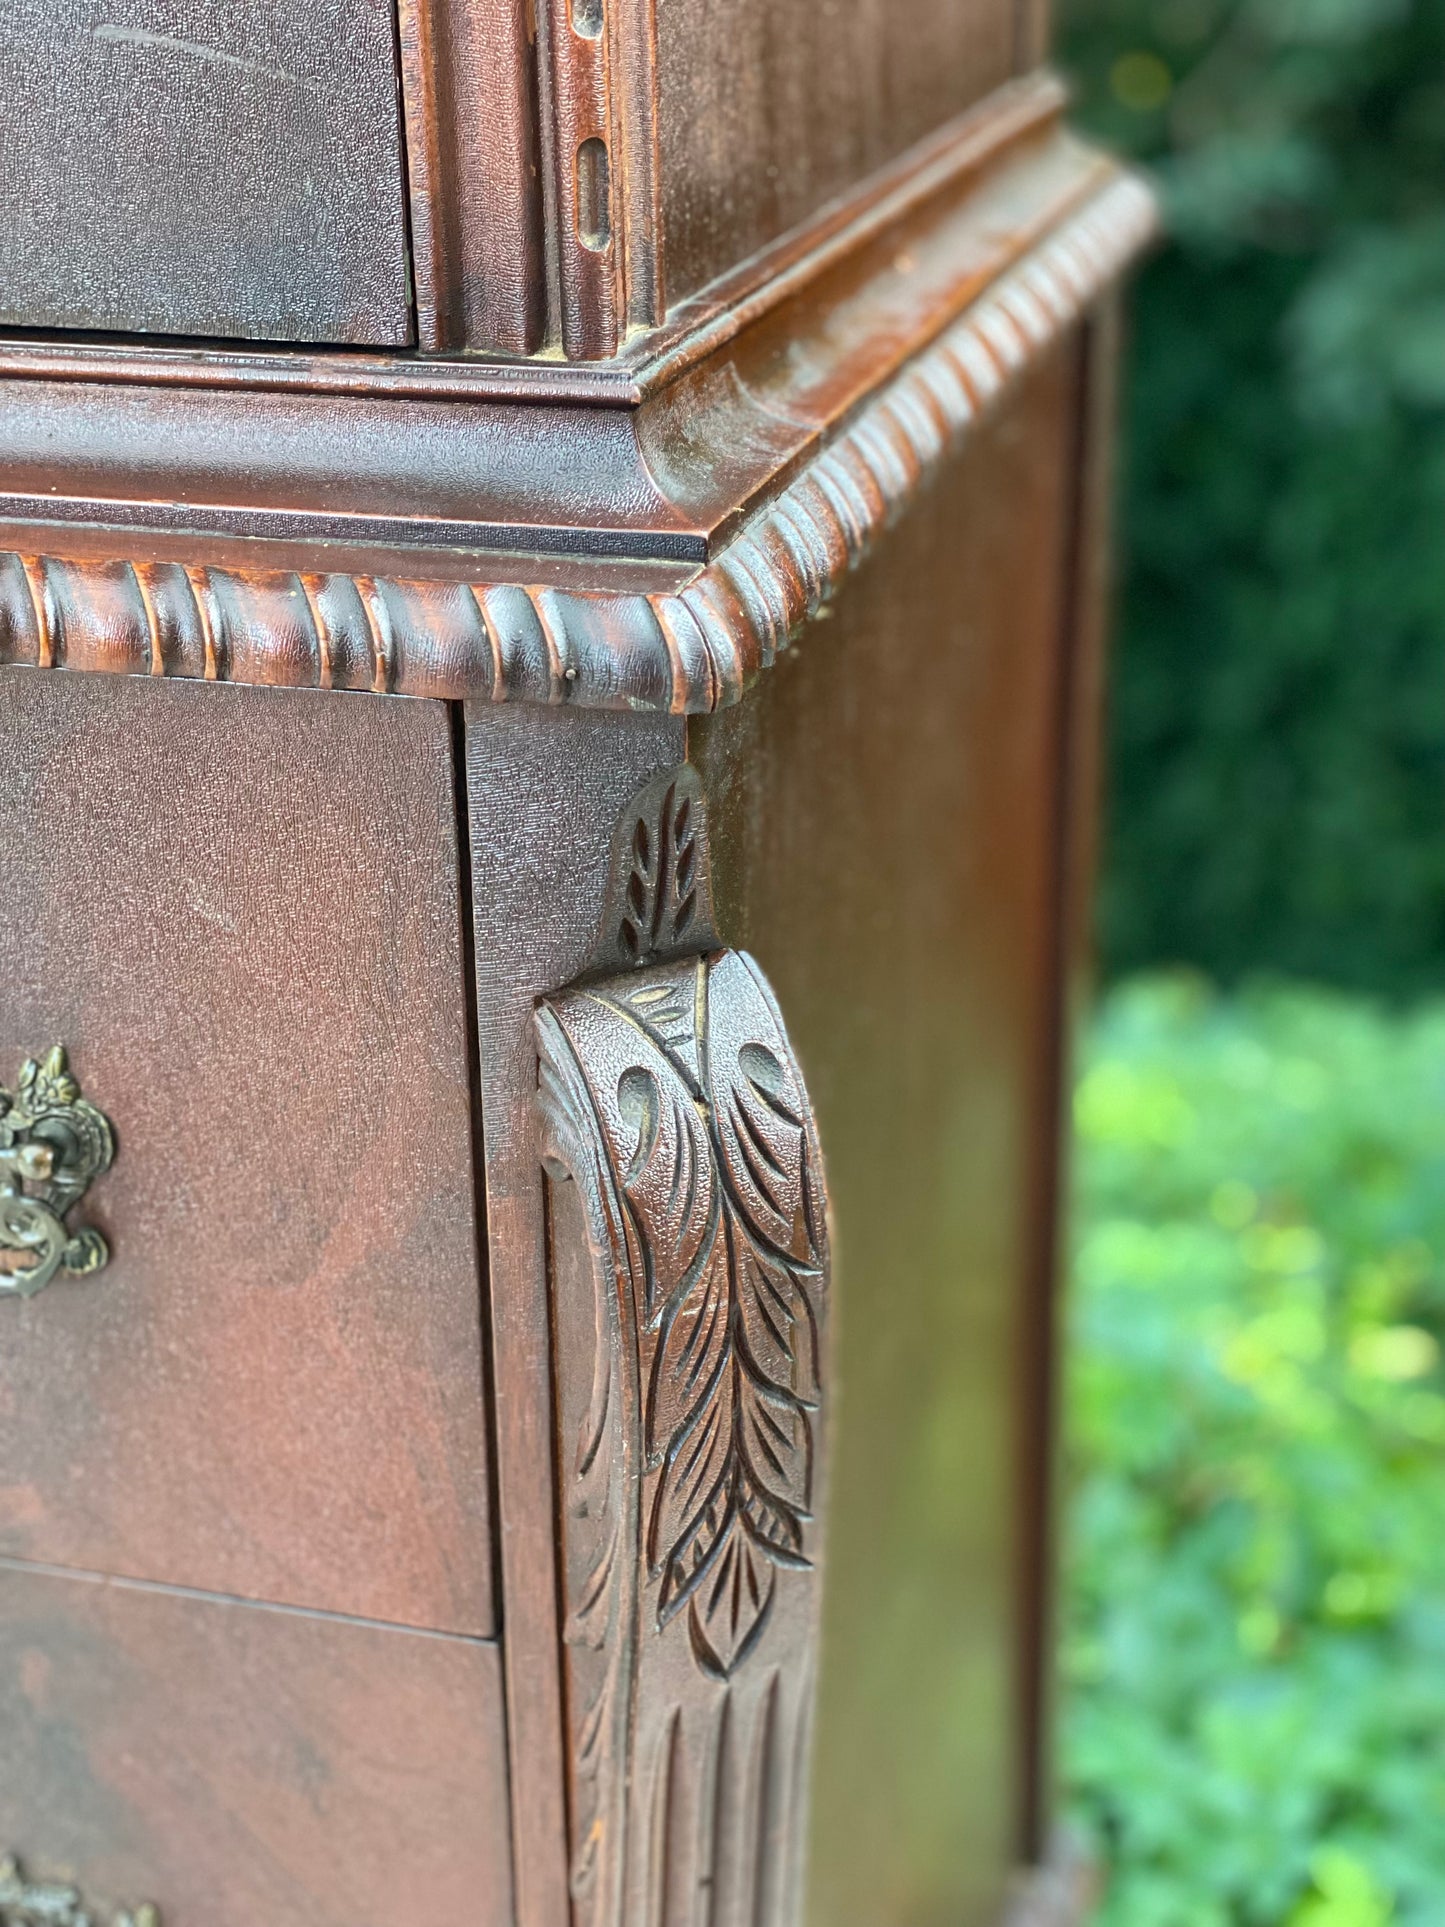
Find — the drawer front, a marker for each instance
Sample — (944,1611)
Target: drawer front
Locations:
(238,1767)
(238,910)
(203,167)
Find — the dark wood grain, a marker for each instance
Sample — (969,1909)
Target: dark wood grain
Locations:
(891,862)
(239,911)
(238,1766)
(203,167)
(765,113)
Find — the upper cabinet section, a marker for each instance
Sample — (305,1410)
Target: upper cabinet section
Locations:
(765,112)
(684,137)
(225,168)
(451,177)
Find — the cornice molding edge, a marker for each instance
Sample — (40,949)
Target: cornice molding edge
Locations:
(690,651)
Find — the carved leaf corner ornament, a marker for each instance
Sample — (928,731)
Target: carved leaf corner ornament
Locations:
(53,1144)
(679,1090)
(671,1096)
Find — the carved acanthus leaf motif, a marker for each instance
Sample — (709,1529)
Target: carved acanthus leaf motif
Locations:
(660,901)
(661,898)
(712,1159)
(689,1272)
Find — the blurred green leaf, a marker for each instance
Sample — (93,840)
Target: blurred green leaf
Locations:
(1278,725)
(1254,1645)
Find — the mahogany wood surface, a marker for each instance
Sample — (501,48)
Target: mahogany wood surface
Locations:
(468,83)
(239,912)
(235,1765)
(203,167)
(896,863)
(929,173)
(659,459)
(764,113)
(545,792)
(891,862)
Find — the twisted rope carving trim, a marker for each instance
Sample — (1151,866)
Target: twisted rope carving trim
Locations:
(689,652)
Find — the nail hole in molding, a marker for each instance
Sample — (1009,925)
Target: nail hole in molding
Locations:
(587,18)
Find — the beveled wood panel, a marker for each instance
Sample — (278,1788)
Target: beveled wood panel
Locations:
(203,167)
(883,814)
(766,112)
(239,911)
(242,1767)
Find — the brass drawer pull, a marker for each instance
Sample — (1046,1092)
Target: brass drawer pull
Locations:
(25,1903)
(53,1143)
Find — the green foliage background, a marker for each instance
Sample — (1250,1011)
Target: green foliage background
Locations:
(1279,709)
(1255,1626)
(1255,1643)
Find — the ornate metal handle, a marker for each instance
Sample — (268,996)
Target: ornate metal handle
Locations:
(27,1903)
(53,1143)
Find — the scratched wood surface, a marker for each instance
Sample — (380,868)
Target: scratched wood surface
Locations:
(203,167)
(239,911)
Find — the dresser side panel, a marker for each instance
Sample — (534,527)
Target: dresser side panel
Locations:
(766,112)
(884,829)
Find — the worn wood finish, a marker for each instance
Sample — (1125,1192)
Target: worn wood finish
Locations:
(891,862)
(584,170)
(569,173)
(764,114)
(673,931)
(239,911)
(203,167)
(944,164)
(234,1765)
(661,461)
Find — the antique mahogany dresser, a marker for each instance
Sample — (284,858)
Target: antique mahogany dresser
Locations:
(549,592)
